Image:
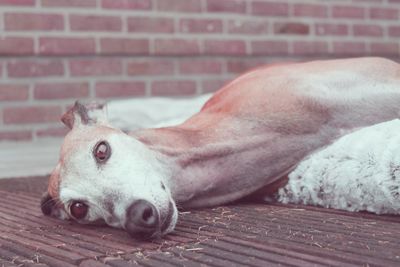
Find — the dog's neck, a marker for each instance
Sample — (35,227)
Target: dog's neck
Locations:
(209,166)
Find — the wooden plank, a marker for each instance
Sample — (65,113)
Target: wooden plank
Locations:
(237,235)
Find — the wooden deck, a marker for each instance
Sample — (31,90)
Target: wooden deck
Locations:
(235,235)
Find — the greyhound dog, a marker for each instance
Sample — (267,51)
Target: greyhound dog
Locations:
(245,141)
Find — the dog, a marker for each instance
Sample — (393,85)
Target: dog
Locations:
(245,141)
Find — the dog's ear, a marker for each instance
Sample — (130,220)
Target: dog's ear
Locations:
(89,114)
(48,201)
(54,182)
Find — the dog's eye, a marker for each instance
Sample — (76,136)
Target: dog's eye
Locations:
(102,151)
(79,210)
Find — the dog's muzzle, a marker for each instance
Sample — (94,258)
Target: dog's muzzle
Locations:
(142,219)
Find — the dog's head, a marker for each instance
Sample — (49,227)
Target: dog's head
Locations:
(104,175)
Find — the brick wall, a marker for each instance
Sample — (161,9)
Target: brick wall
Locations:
(55,51)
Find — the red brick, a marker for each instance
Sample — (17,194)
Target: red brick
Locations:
(14,92)
(120,89)
(151,67)
(17,2)
(176,47)
(383,13)
(31,114)
(384,49)
(367,30)
(127,4)
(291,28)
(16,136)
(310,48)
(200,25)
(35,68)
(348,12)
(66,46)
(270,8)
(16,46)
(93,67)
(33,22)
(124,46)
(248,26)
(95,23)
(52,132)
(206,66)
(69,3)
(310,10)
(368,1)
(209,86)
(349,48)
(332,29)
(225,47)
(146,24)
(242,65)
(61,90)
(232,6)
(269,47)
(179,5)
(394,31)
(173,88)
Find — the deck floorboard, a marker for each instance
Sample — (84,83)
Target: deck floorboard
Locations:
(245,234)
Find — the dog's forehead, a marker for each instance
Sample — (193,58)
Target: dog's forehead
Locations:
(127,154)
(81,138)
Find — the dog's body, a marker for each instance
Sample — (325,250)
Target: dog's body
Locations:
(246,139)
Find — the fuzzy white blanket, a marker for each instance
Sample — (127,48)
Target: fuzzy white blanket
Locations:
(358,172)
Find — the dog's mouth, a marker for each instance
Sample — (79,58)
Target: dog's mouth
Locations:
(52,207)
(167,220)
(144,220)
(47,204)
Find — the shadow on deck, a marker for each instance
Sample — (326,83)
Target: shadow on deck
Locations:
(236,235)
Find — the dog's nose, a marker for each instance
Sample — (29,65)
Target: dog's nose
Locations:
(142,219)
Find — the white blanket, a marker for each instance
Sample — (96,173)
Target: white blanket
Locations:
(137,113)
(358,172)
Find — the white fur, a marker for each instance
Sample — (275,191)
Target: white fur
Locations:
(359,172)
